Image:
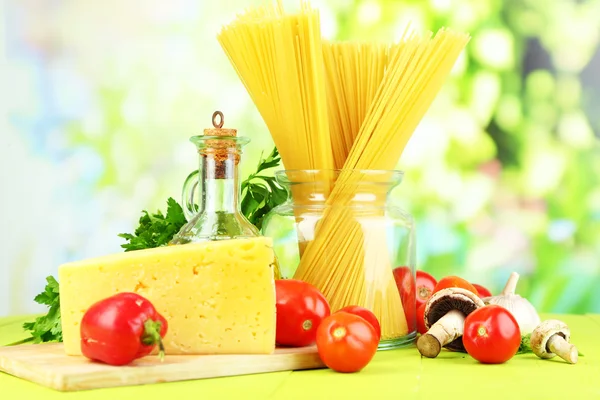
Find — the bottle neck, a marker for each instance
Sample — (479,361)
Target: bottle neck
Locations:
(220,180)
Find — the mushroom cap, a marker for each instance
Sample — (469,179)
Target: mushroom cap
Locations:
(543,332)
(447,300)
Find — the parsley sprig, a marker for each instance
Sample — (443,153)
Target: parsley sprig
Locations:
(261,193)
(46,328)
(525,346)
(155,229)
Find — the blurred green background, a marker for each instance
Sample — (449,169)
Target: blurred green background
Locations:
(99,99)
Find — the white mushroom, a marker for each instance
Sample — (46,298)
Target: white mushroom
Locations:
(551,338)
(445,315)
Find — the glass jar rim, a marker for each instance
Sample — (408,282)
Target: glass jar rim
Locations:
(200,140)
(377,175)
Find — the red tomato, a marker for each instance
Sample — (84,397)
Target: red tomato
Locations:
(366,314)
(406,287)
(425,286)
(481,291)
(412,293)
(421,319)
(346,342)
(454,281)
(300,309)
(491,334)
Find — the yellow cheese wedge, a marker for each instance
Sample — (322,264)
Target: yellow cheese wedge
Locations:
(218,297)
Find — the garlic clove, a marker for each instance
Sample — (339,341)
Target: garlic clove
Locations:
(523,311)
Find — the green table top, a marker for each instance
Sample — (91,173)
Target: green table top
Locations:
(394,374)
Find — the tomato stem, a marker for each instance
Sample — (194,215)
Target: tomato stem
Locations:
(307,324)
(481,331)
(424,293)
(152,336)
(339,332)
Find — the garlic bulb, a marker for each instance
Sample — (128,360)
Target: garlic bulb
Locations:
(523,311)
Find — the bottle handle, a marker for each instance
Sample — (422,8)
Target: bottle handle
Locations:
(187,195)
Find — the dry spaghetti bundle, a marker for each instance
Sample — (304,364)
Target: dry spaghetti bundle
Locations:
(279,58)
(354,73)
(413,78)
(352,106)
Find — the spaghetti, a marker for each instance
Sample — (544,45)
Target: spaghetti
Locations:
(279,59)
(349,106)
(415,75)
(354,73)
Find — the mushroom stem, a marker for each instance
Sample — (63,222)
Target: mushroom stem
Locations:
(511,284)
(444,331)
(565,350)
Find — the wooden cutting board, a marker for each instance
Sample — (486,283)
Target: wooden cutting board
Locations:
(48,365)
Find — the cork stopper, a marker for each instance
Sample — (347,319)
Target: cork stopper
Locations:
(218,129)
(220,149)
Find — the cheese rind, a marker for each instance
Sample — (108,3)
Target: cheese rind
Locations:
(218,297)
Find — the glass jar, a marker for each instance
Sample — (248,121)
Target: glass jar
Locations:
(343,232)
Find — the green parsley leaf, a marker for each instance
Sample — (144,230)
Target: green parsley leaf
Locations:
(46,328)
(271,161)
(262,193)
(156,229)
(525,346)
(50,294)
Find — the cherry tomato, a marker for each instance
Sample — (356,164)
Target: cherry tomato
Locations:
(491,335)
(412,293)
(406,287)
(421,319)
(346,342)
(454,281)
(425,286)
(481,291)
(366,314)
(300,309)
